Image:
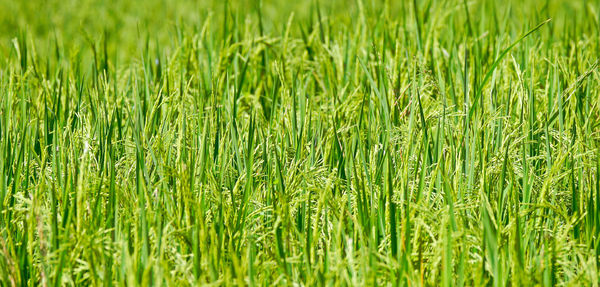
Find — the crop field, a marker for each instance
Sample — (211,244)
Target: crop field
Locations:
(299,143)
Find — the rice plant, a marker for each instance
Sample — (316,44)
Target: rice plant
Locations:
(299,143)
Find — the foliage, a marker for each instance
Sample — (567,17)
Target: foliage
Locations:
(412,143)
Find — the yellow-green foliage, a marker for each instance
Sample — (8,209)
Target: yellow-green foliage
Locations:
(309,142)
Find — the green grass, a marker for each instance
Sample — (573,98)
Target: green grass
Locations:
(404,143)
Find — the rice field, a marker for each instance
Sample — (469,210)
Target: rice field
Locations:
(299,143)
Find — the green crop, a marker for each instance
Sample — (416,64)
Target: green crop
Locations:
(309,142)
